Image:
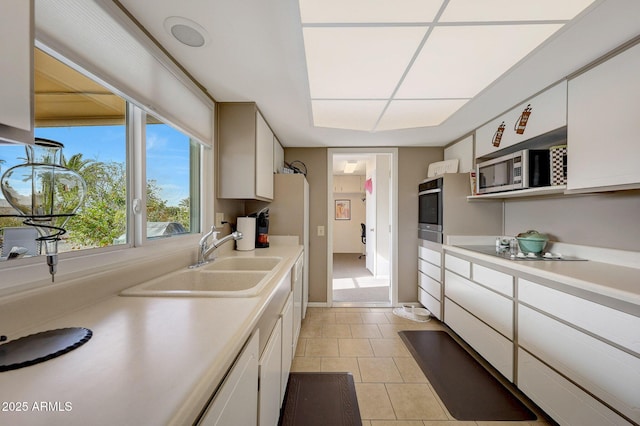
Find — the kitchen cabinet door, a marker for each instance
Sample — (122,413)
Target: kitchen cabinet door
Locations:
(603,142)
(270,375)
(16,69)
(245,153)
(264,159)
(236,403)
(562,400)
(493,346)
(492,308)
(287,344)
(548,111)
(348,184)
(610,374)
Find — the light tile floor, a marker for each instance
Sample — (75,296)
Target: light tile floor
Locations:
(391,388)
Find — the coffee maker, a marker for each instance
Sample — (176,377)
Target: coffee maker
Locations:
(262,228)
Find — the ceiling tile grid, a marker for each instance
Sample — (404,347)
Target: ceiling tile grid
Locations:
(376,65)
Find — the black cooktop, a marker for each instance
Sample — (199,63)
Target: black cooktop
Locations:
(503,252)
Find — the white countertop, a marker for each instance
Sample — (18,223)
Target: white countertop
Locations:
(151,360)
(606,279)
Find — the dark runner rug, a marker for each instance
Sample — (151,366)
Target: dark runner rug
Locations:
(467,389)
(320,399)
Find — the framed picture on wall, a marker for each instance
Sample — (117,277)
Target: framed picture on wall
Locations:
(343,209)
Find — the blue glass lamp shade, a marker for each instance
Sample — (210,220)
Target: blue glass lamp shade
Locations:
(45,193)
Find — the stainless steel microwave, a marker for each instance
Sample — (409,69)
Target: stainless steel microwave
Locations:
(528,168)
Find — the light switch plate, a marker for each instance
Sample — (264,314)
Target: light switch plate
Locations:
(320,231)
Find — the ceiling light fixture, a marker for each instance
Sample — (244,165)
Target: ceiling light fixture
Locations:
(186,31)
(401,64)
(350,166)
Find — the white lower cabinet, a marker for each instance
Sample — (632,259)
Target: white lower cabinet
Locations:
(609,373)
(563,401)
(493,347)
(430,277)
(270,377)
(288,347)
(459,266)
(577,356)
(427,288)
(490,307)
(236,402)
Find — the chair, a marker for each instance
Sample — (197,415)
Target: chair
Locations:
(363,237)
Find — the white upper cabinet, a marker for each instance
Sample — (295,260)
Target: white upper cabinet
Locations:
(348,183)
(463,152)
(16,69)
(245,152)
(534,117)
(264,159)
(603,133)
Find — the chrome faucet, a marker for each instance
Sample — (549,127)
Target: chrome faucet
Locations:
(206,250)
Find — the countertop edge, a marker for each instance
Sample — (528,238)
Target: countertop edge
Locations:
(529,268)
(198,399)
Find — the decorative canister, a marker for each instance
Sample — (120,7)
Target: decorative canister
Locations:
(558,160)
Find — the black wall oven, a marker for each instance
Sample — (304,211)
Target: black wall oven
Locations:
(430,210)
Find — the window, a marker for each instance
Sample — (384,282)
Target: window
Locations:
(172,181)
(92,124)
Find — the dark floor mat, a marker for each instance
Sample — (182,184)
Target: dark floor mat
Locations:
(320,399)
(467,389)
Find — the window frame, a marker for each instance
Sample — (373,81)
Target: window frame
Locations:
(29,273)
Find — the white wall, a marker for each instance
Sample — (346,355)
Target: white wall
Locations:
(346,233)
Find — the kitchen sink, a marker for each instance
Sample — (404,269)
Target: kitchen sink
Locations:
(242,264)
(203,283)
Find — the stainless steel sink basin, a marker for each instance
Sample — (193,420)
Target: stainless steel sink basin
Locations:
(203,283)
(242,264)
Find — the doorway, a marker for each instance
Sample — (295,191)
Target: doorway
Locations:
(362,228)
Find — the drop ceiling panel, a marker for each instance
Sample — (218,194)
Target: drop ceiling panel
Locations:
(509,10)
(360,11)
(460,61)
(406,114)
(358,62)
(347,114)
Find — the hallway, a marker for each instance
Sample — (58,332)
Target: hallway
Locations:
(353,283)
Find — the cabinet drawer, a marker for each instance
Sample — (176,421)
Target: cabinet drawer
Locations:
(498,281)
(430,256)
(457,265)
(431,286)
(431,270)
(431,303)
(616,326)
(562,400)
(492,308)
(493,347)
(607,372)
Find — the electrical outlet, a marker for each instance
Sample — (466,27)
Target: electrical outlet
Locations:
(219,220)
(320,231)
